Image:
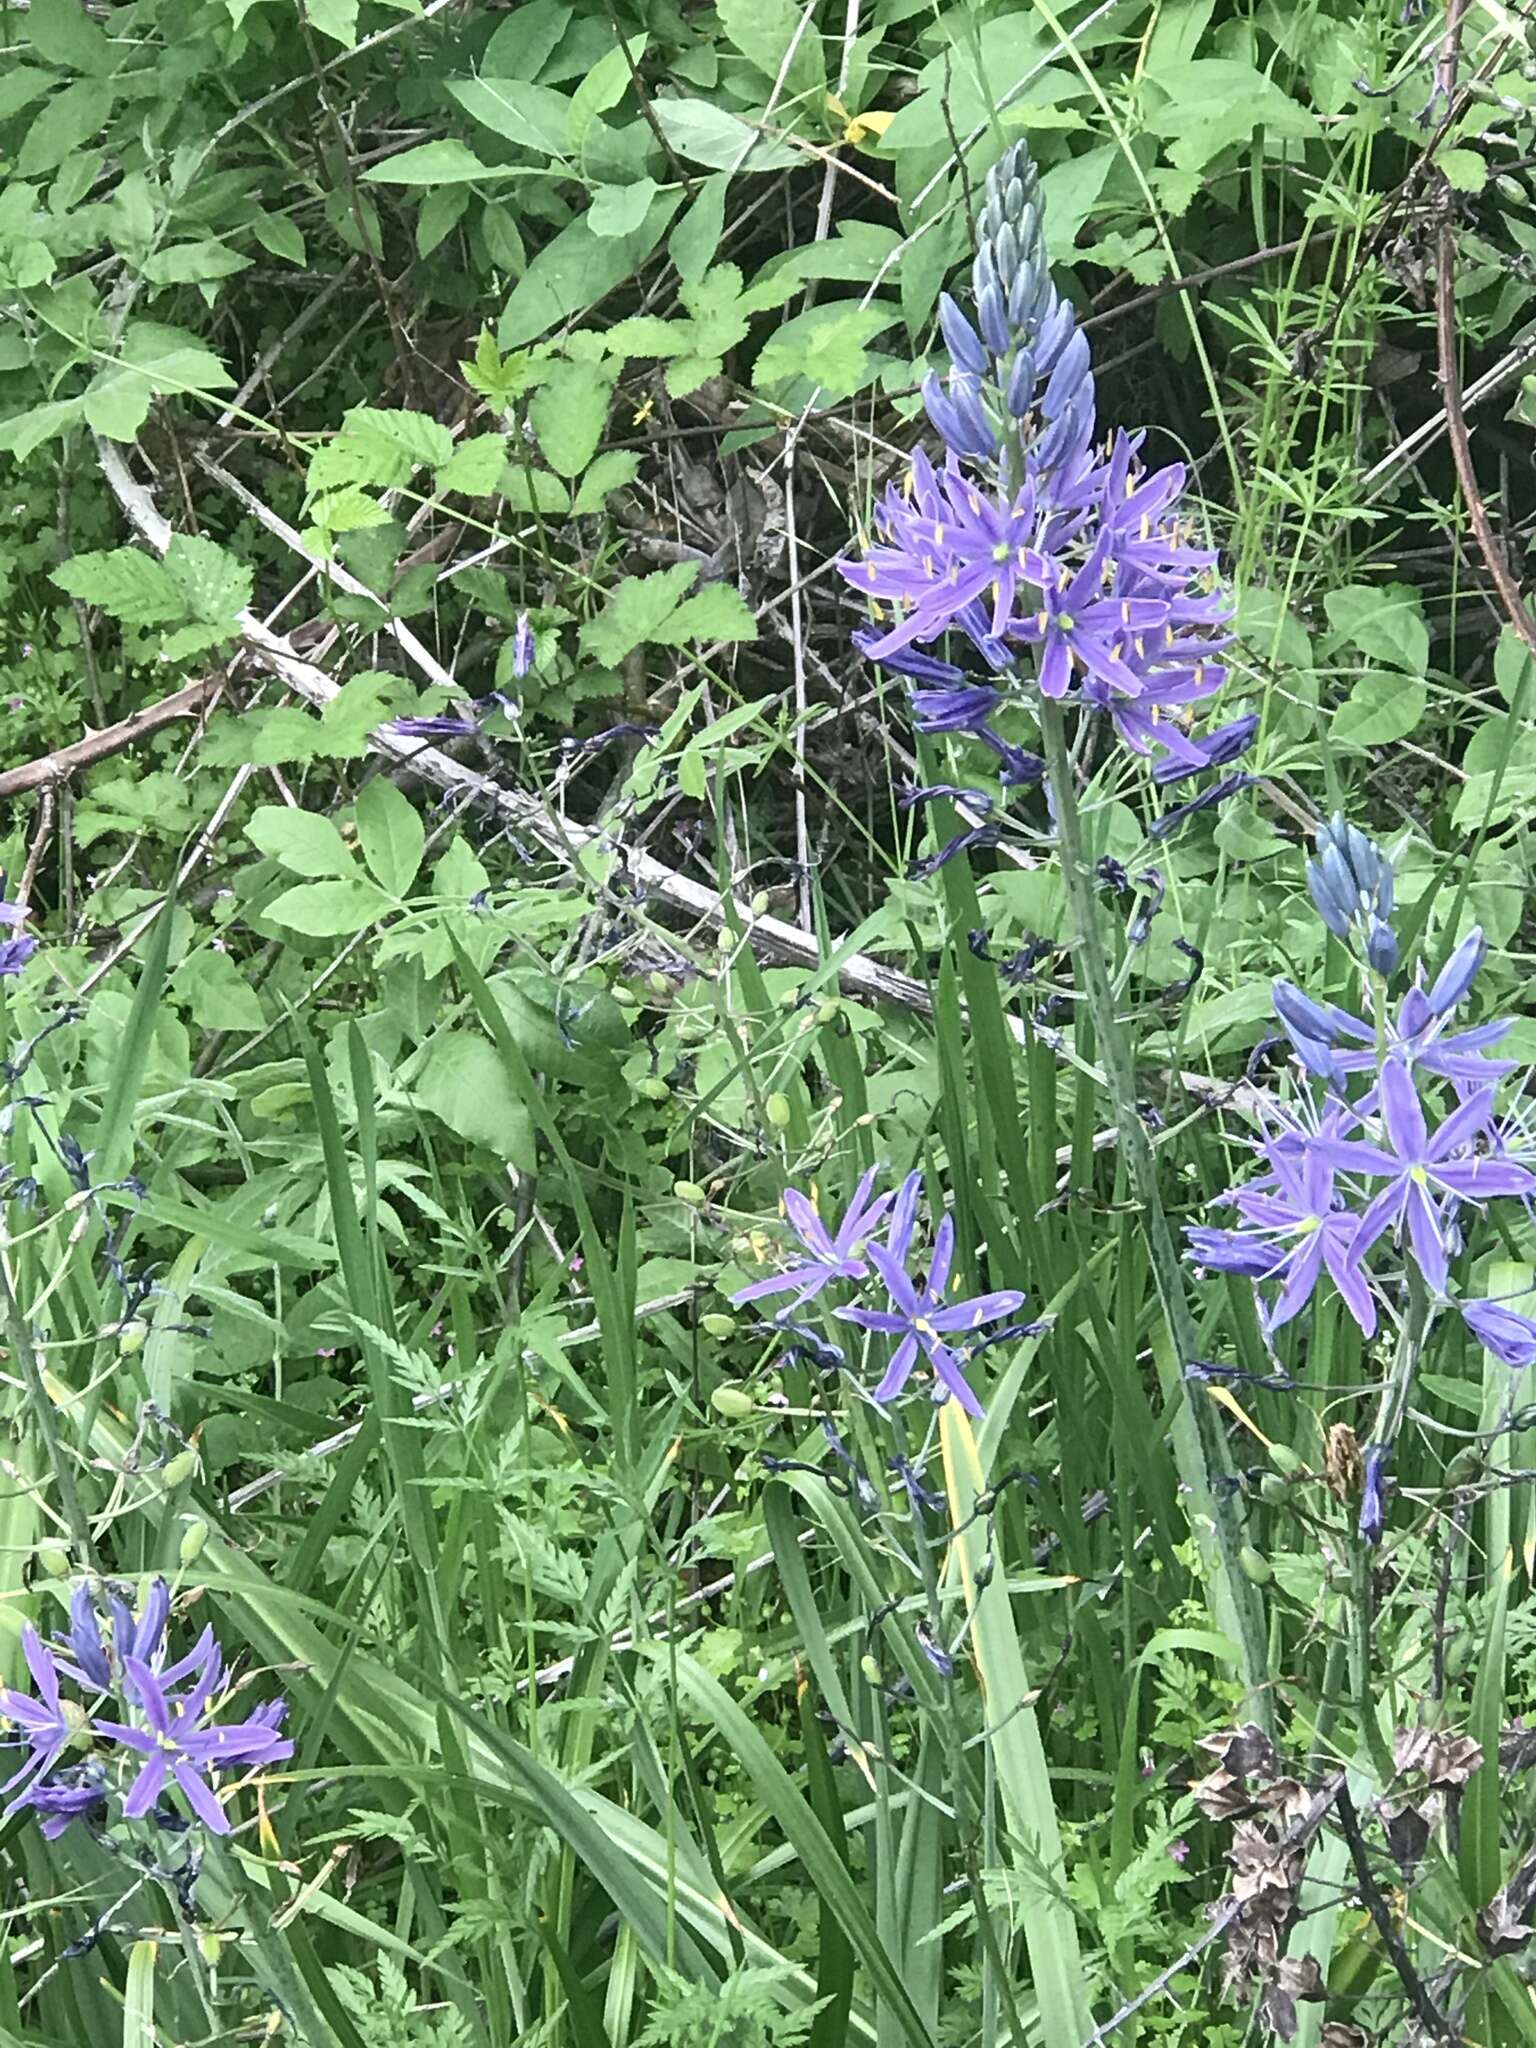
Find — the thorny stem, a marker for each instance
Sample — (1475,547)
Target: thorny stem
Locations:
(1199,1446)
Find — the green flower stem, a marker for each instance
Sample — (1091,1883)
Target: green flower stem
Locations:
(1198,1442)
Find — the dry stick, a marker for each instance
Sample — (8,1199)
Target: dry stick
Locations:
(187,702)
(1435,2023)
(565,839)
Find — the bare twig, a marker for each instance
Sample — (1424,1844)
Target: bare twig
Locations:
(188,702)
(1435,2023)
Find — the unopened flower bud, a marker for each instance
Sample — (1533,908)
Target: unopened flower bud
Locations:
(718,1325)
(194,1540)
(179,1470)
(690,1192)
(53,1558)
(735,1403)
(777,1110)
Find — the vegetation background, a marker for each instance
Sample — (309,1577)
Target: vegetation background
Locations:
(389,1122)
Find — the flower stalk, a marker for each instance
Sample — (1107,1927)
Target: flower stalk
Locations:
(1199,1446)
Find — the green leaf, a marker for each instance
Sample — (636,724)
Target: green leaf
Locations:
(380,448)
(217,993)
(304,842)
(569,412)
(70,120)
(1378,710)
(718,612)
(637,609)
(334,18)
(449,162)
(440,214)
(463,1082)
(577,269)
(214,585)
(63,33)
(621,209)
(20,84)
(709,135)
(603,87)
(823,348)
(201,262)
(475,466)
(534,116)
(611,470)
(696,238)
(765,32)
(125,583)
(278,234)
(1385,621)
(330,910)
(1512,668)
(392,835)
(1464,170)
(156,361)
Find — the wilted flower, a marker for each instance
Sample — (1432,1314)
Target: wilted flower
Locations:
(1509,1336)
(522,646)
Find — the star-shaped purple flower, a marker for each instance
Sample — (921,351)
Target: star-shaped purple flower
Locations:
(919,1317)
(838,1255)
(179,1742)
(1423,1169)
(47,1724)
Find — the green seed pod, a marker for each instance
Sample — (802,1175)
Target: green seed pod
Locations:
(658,983)
(829,1012)
(1254,1567)
(193,1540)
(130,1337)
(179,1470)
(1464,1469)
(777,1111)
(653,1089)
(690,1192)
(53,1558)
(870,1669)
(210,1947)
(732,1402)
(759,904)
(1273,1489)
(1286,1461)
(725,941)
(626,997)
(718,1325)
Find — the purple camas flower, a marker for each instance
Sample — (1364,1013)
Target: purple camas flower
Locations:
(1509,1336)
(1424,1169)
(46,1725)
(1293,1230)
(17,951)
(839,1255)
(918,1317)
(180,1743)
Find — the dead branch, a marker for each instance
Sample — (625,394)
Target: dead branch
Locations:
(188,702)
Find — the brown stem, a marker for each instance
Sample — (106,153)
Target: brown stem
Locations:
(188,702)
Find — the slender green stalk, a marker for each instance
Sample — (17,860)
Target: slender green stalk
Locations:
(19,1337)
(1199,1445)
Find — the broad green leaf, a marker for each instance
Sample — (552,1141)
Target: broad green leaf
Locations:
(475,466)
(20,84)
(1385,621)
(621,209)
(1207,104)
(139,1996)
(767,32)
(577,269)
(381,448)
(63,33)
(1464,170)
(201,262)
(696,238)
(391,834)
(69,120)
(334,18)
(709,135)
(217,992)
(463,1082)
(125,583)
(1379,709)
(449,162)
(718,612)
(823,348)
(304,842)
(611,470)
(525,39)
(569,412)
(603,87)
(278,234)
(534,116)
(330,910)
(636,610)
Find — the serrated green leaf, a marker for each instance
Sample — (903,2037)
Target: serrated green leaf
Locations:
(381,448)
(215,585)
(825,348)
(568,413)
(613,468)
(475,466)
(718,612)
(303,842)
(125,583)
(330,910)
(635,612)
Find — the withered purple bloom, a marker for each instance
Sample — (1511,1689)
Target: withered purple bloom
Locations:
(17,951)
(839,1255)
(1373,1496)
